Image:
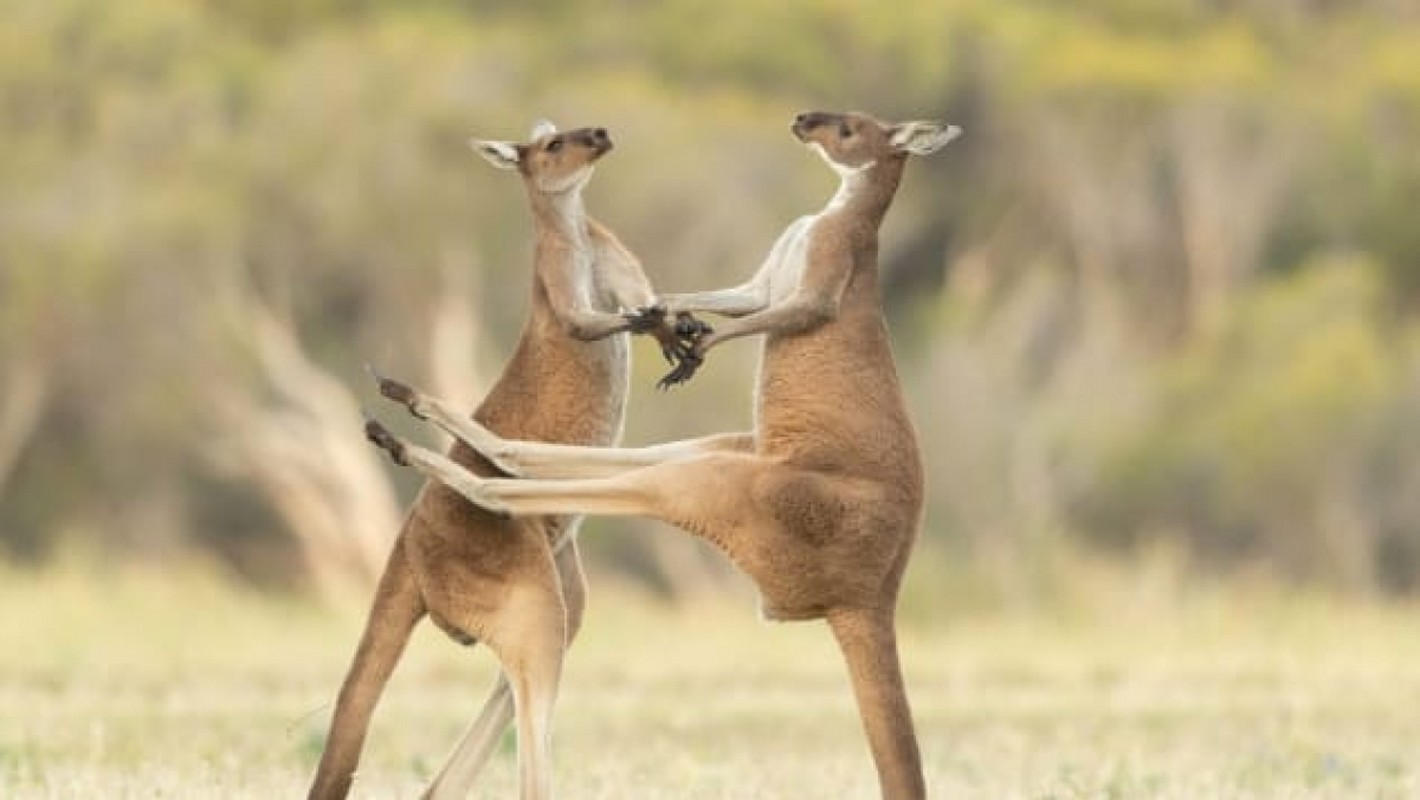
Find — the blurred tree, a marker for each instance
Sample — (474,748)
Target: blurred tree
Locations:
(1260,440)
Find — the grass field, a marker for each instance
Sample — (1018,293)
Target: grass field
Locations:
(177,685)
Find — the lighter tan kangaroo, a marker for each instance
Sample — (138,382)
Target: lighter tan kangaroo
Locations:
(821,504)
(516,585)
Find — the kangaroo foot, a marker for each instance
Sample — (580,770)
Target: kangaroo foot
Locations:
(398,392)
(380,436)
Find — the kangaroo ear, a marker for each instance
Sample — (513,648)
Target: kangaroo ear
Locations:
(922,138)
(540,129)
(503,155)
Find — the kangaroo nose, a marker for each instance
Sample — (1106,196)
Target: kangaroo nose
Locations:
(599,133)
(803,123)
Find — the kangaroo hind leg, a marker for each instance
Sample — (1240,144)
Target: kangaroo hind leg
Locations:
(397,607)
(477,745)
(869,644)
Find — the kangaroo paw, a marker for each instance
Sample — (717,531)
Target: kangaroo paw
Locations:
(684,371)
(645,319)
(687,326)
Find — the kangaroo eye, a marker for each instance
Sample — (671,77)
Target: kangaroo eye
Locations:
(554,145)
(844,131)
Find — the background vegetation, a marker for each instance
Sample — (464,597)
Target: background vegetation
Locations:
(1162,297)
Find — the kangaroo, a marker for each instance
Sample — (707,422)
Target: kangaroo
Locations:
(821,503)
(516,585)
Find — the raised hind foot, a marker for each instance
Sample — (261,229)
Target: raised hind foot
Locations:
(381,437)
(454,422)
(437,466)
(401,393)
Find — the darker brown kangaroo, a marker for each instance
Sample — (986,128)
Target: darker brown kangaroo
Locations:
(516,585)
(820,505)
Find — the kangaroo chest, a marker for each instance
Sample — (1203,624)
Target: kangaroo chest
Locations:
(789,258)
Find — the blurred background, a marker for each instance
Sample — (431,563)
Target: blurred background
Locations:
(1158,310)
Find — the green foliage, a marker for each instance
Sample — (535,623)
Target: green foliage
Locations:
(1091,61)
(1259,437)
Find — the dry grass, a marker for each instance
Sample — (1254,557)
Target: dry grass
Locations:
(159,685)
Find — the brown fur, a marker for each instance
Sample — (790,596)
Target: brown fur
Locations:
(821,505)
(515,584)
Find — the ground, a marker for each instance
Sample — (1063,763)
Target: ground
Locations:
(177,685)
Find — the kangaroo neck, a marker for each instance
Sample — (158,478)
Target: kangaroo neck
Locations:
(560,217)
(865,193)
(563,253)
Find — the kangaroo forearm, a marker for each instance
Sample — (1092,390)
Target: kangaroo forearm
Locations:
(788,318)
(589,326)
(736,302)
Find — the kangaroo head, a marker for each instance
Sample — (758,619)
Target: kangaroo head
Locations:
(852,141)
(551,161)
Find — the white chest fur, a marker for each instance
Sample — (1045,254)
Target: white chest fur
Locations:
(583,280)
(581,267)
(789,256)
(787,259)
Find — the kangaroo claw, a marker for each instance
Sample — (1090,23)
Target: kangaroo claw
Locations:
(645,319)
(689,363)
(687,326)
(669,351)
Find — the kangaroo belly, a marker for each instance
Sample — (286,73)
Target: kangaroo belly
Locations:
(560,390)
(831,400)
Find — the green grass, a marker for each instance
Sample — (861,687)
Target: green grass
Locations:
(176,685)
